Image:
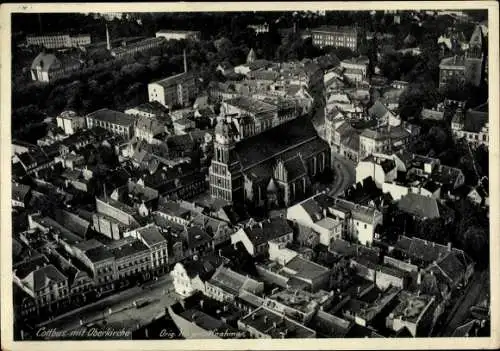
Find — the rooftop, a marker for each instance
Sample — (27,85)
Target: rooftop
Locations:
(114,117)
(275,325)
(306,269)
(411,306)
(266,230)
(251,105)
(175,79)
(151,235)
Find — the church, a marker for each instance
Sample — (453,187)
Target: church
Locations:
(272,169)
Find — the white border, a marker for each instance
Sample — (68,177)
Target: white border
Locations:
(290,344)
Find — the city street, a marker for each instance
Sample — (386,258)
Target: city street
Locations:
(345,174)
(156,296)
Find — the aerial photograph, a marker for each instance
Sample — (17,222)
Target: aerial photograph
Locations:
(250,175)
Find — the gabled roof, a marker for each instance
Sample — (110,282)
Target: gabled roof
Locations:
(419,205)
(42,277)
(378,110)
(269,229)
(151,235)
(19,191)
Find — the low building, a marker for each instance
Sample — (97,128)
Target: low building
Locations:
(47,67)
(191,275)
(413,312)
(116,122)
(472,125)
(255,237)
(21,195)
(58,40)
(140,46)
(178,34)
(264,323)
(226,285)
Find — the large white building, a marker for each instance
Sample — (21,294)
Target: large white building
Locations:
(58,41)
(178,34)
(70,122)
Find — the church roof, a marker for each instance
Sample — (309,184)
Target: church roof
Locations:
(278,140)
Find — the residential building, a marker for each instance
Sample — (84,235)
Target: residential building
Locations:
(356,221)
(472,125)
(383,275)
(226,285)
(413,312)
(132,258)
(382,140)
(255,237)
(70,122)
(99,261)
(173,91)
(267,168)
(264,323)
(347,37)
(58,41)
(140,46)
(190,275)
(178,34)
(116,122)
(47,67)
(45,284)
(21,195)
(113,218)
(138,196)
(380,169)
(419,206)
(151,236)
(298,304)
(294,271)
(356,64)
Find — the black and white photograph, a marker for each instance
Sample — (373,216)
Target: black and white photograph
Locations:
(250,174)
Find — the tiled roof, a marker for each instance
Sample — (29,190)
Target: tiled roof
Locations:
(129,249)
(98,254)
(204,266)
(115,117)
(474,121)
(151,234)
(41,278)
(19,191)
(273,142)
(419,205)
(269,229)
(295,168)
(305,268)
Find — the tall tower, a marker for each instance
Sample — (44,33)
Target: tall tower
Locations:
(475,58)
(251,56)
(476,44)
(108,41)
(225,180)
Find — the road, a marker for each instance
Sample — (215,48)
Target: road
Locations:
(345,174)
(123,314)
(461,310)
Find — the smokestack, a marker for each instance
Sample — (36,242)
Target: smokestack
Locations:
(185,62)
(108,42)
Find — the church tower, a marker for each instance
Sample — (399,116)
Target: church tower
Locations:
(475,58)
(225,180)
(476,44)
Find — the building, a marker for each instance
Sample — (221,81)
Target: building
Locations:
(153,110)
(382,140)
(267,168)
(178,34)
(132,259)
(354,65)
(256,236)
(58,41)
(380,169)
(113,218)
(259,28)
(151,236)
(140,46)
(21,195)
(190,275)
(347,37)
(413,312)
(226,285)
(116,122)
(264,323)
(356,221)
(47,67)
(70,122)
(138,196)
(472,125)
(451,69)
(177,90)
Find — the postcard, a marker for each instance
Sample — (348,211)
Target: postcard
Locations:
(247,176)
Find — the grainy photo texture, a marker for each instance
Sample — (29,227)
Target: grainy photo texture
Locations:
(242,175)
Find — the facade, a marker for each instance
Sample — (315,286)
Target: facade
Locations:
(173,91)
(70,122)
(472,126)
(58,41)
(190,275)
(116,122)
(347,37)
(47,67)
(132,258)
(267,168)
(178,34)
(260,28)
(151,236)
(226,285)
(255,237)
(355,221)
(382,140)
